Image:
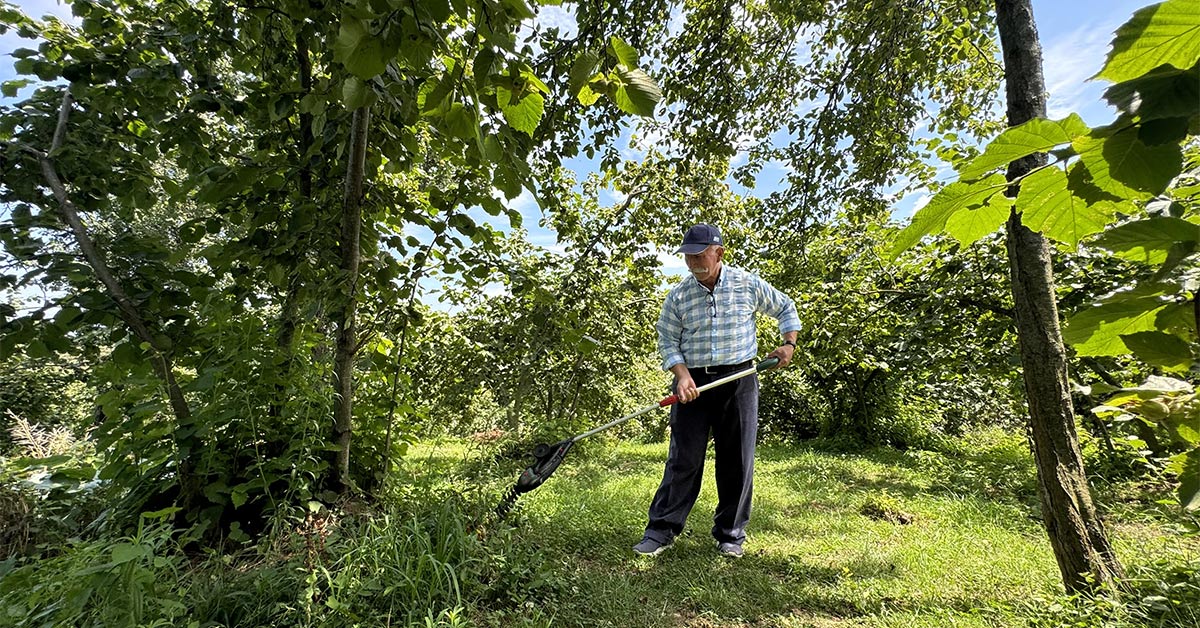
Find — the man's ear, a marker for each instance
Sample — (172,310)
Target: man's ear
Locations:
(720,252)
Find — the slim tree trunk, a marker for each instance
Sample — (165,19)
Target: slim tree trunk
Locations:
(289,315)
(1085,557)
(185,445)
(347,343)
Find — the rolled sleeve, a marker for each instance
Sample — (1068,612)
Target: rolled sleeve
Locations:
(670,334)
(777,305)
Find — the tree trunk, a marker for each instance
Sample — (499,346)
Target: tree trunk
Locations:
(347,343)
(289,315)
(1085,557)
(186,446)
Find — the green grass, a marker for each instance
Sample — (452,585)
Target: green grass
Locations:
(973,553)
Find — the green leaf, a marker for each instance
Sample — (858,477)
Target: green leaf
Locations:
(625,54)
(9,88)
(437,95)
(582,71)
(439,10)
(481,67)
(356,93)
(25,66)
(520,9)
(125,552)
(1098,330)
(933,217)
(1149,240)
(637,93)
(533,81)
(1035,136)
(1047,206)
(162,513)
(1178,319)
(1163,93)
(970,225)
(1122,165)
(1163,131)
(1189,479)
(1165,33)
(523,115)
(1160,349)
(460,122)
(238,495)
(587,97)
(37,350)
(361,53)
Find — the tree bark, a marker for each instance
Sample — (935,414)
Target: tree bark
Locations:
(1081,547)
(347,343)
(289,314)
(127,309)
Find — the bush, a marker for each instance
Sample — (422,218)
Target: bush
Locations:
(1159,595)
(131,581)
(51,492)
(50,392)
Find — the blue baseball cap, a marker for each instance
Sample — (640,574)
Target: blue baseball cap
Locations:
(698,238)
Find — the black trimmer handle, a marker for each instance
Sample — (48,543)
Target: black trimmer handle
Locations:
(767,364)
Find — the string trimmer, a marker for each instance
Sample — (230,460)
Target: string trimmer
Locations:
(548,457)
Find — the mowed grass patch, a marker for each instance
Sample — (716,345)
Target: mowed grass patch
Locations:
(819,553)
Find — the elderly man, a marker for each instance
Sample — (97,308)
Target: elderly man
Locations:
(706,330)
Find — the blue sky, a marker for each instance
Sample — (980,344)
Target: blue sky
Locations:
(1075,36)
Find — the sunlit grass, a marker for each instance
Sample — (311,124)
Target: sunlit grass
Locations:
(973,549)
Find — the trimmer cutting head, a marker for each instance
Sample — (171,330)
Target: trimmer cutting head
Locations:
(546,460)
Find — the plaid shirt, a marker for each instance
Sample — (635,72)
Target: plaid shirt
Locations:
(701,328)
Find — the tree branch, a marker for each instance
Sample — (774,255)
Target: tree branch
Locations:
(60,130)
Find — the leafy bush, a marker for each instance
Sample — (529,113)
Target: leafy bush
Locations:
(51,491)
(50,391)
(131,581)
(1160,595)
(417,565)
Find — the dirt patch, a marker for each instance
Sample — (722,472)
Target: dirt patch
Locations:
(883,509)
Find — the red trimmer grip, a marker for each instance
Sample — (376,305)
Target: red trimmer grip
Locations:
(668,401)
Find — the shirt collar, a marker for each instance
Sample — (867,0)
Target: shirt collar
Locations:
(720,279)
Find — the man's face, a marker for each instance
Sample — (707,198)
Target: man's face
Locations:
(705,264)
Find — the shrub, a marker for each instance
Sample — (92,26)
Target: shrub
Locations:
(51,492)
(131,581)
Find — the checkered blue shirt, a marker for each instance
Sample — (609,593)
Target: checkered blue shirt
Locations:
(699,328)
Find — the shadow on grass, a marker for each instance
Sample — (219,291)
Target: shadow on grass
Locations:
(581,525)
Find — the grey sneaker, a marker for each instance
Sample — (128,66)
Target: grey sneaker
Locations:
(731,550)
(650,547)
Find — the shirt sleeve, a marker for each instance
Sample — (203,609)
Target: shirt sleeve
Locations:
(670,333)
(777,305)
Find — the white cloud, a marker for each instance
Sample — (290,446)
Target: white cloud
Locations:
(1075,44)
(610,196)
(41,8)
(1069,62)
(672,263)
(559,17)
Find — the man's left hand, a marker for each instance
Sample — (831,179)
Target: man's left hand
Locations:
(784,353)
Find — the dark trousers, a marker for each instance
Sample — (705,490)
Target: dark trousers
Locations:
(730,413)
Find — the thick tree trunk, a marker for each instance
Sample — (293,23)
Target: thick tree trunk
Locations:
(347,343)
(1085,557)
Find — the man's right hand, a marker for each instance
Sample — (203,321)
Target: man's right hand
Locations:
(685,386)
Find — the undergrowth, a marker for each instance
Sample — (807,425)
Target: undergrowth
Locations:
(868,538)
